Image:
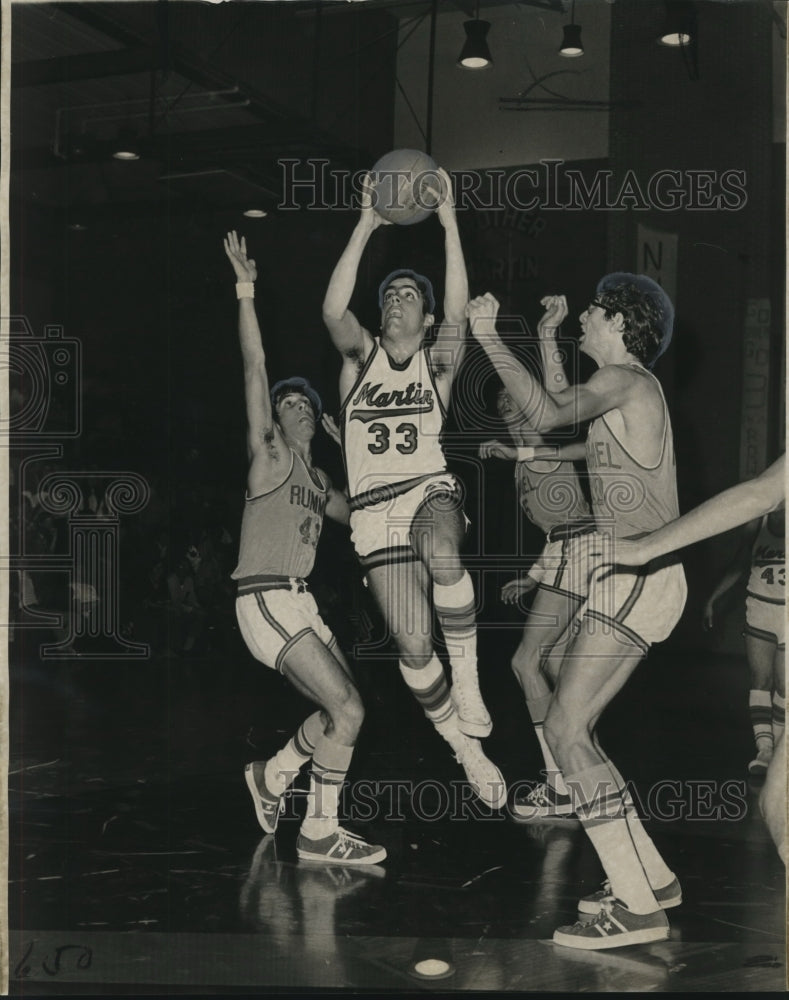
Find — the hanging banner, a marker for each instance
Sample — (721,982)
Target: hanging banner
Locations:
(657,258)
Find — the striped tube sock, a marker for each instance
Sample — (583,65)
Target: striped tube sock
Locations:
(283,767)
(601,810)
(779,716)
(429,687)
(330,764)
(658,873)
(538,709)
(455,610)
(761,711)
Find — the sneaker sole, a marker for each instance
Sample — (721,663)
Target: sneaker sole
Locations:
(617,941)
(371,859)
(556,817)
(253,791)
(590,909)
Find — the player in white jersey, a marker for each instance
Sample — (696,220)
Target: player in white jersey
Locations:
(630,457)
(406,519)
(761,554)
(278,618)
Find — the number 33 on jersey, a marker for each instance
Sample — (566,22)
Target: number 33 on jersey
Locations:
(392,422)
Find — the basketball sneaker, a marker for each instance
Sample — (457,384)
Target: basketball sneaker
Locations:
(481,773)
(760,763)
(542,802)
(614,926)
(473,717)
(670,895)
(339,848)
(268,806)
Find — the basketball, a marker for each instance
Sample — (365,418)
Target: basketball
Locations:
(405,183)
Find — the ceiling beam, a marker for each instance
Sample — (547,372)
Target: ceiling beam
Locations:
(82,66)
(187,64)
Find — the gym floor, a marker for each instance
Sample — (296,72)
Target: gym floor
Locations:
(137,867)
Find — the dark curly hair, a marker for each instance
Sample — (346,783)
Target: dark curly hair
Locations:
(647,312)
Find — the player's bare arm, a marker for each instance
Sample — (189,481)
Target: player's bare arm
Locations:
(269,456)
(449,347)
(547,330)
(727,510)
(337,507)
(610,388)
(347,334)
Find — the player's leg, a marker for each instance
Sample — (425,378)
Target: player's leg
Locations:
(772,798)
(593,671)
(779,692)
(400,590)
(760,652)
(550,614)
(437,533)
(321,675)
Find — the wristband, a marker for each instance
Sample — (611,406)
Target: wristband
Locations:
(245,289)
(525,453)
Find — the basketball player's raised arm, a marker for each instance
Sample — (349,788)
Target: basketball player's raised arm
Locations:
(727,510)
(264,445)
(347,334)
(449,347)
(547,329)
(610,387)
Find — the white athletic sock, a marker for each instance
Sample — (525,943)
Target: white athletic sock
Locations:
(429,686)
(282,768)
(657,871)
(600,808)
(455,610)
(778,717)
(330,764)
(761,712)
(538,709)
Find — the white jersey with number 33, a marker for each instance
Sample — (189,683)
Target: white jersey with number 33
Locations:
(391,423)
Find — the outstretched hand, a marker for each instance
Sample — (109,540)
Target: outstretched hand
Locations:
(329,424)
(555,312)
(236,250)
(482,312)
(495,449)
(512,591)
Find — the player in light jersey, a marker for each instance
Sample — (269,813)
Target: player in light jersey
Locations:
(762,553)
(629,453)
(736,506)
(407,524)
(286,500)
(550,495)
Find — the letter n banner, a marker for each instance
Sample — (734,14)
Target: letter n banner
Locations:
(657,258)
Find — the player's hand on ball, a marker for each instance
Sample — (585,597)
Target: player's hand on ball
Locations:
(515,589)
(482,312)
(495,449)
(236,250)
(329,424)
(369,217)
